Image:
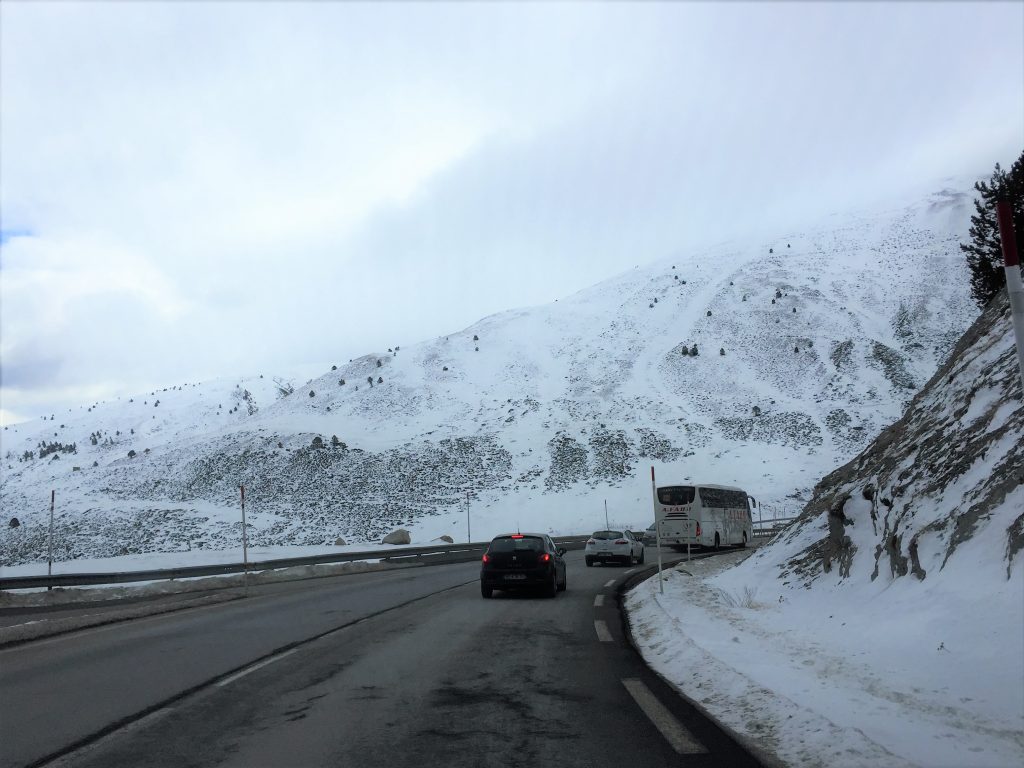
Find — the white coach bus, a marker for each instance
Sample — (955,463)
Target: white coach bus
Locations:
(703,515)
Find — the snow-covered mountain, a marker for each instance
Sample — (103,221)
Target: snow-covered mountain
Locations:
(809,344)
(947,477)
(887,622)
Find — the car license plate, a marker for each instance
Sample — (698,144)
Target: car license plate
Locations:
(515,576)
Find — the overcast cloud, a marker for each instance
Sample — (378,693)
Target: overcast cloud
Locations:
(199,189)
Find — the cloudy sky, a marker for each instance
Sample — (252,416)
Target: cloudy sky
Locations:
(198,189)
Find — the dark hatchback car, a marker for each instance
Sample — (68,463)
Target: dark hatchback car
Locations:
(522,561)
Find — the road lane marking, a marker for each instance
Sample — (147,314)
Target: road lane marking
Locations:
(610,583)
(254,667)
(602,631)
(631,570)
(598,601)
(682,740)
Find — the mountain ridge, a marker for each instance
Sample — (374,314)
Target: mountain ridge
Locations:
(541,412)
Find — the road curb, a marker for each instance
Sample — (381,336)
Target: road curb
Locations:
(756,751)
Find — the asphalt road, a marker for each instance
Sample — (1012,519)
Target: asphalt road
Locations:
(407,668)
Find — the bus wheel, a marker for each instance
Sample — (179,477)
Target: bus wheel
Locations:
(718,542)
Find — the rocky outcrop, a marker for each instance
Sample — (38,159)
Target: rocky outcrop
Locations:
(401,536)
(953,464)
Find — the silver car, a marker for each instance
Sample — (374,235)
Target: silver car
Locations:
(613,546)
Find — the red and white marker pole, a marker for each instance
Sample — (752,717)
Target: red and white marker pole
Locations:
(1014,285)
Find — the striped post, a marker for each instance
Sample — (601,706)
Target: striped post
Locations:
(1014,286)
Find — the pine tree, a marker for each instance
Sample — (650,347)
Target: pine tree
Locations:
(984,251)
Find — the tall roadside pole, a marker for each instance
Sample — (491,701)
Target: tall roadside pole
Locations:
(49,557)
(469,535)
(1014,285)
(245,544)
(657,530)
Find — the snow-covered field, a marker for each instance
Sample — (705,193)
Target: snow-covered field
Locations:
(894,673)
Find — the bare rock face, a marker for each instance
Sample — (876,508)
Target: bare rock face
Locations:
(447,539)
(963,430)
(401,536)
(339,542)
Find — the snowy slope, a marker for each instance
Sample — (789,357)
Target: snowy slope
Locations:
(826,334)
(886,626)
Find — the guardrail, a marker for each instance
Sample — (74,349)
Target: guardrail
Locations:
(771,527)
(432,555)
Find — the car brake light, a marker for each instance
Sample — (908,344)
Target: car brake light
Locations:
(591,541)
(517,535)
(545,558)
(621,541)
(698,529)
(486,558)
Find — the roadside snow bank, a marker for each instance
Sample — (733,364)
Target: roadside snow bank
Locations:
(931,675)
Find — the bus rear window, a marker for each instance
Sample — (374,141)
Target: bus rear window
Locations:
(674,495)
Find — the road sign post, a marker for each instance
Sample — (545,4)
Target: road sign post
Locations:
(245,545)
(657,531)
(469,534)
(49,557)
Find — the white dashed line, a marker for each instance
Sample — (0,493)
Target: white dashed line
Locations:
(602,631)
(682,740)
(598,601)
(610,583)
(254,667)
(631,570)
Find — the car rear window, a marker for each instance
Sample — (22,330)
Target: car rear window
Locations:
(510,544)
(607,535)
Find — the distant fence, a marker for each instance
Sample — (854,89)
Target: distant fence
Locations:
(433,555)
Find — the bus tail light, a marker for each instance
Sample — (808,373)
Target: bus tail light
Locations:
(698,529)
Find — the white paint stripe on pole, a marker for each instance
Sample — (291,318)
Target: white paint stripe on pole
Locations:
(598,601)
(602,631)
(609,583)
(254,667)
(682,740)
